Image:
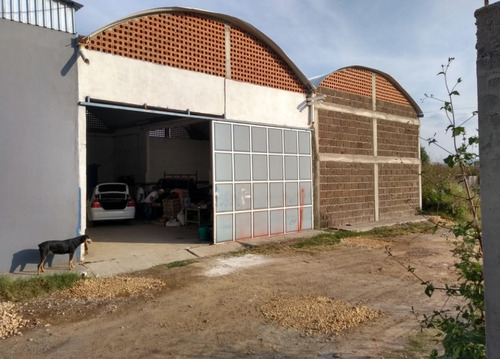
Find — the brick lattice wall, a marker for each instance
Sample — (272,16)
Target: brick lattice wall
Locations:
(343,133)
(360,82)
(355,81)
(397,139)
(254,62)
(196,43)
(398,190)
(186,42)
(388,93)
(346,193)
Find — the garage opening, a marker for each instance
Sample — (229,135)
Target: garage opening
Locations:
(153,148)
(232,180)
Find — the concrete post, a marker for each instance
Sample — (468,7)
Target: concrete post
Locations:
(488,85)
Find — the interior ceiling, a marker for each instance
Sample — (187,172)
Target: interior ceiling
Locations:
(117,118)
(121,118)
(110,116)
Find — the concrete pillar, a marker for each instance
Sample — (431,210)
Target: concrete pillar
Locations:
(488,86)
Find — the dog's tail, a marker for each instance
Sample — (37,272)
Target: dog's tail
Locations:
(86,246)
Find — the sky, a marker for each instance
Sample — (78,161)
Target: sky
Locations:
(408,39)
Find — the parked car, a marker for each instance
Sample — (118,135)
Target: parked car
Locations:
(109,202)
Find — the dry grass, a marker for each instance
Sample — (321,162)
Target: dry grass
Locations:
(315,315)
(111,287)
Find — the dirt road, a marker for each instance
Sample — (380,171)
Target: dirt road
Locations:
(232,307)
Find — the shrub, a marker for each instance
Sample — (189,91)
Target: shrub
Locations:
(443,192)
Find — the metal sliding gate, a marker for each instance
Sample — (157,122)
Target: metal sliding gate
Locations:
(262,180)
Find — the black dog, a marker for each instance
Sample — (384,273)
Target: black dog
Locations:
(62,247)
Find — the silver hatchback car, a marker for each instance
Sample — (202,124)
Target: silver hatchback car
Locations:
(109,202)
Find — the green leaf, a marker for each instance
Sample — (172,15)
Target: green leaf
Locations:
(456,93)
(458,131)
(447,106)
(429,289)
(473,140)
(450,161)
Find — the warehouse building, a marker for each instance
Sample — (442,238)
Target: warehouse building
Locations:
(198,100)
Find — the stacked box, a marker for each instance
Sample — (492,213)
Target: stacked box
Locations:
(171,207)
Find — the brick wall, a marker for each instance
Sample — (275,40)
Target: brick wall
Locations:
(398,190)
(347,160)
(344,98)
(346,193)
(345,133)
(397,139)
(395,109)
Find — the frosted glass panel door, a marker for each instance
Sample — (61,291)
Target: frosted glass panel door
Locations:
(262,180)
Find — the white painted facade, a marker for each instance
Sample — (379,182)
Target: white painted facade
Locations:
(265,105)
(137,82)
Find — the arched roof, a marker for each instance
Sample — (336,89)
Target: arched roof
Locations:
(320,81)
(219,18)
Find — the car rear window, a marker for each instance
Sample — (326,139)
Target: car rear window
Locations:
(114,187)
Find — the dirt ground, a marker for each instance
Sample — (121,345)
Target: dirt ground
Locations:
(240,306)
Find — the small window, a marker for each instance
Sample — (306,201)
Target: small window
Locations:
(94,122)
(159,132)
(175,132)
(178,133)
